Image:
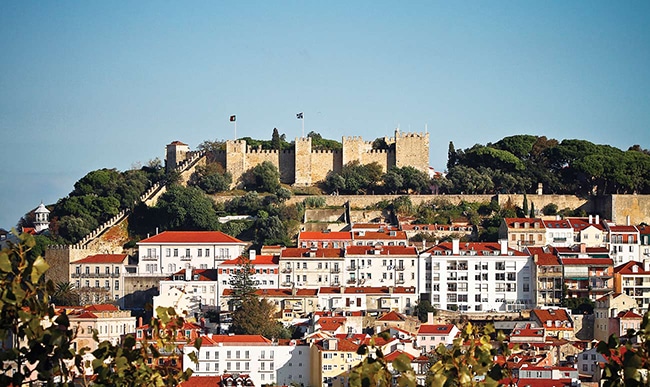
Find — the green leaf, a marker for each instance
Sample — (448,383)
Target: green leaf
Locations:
(39,267)
(5,263)
(402,363)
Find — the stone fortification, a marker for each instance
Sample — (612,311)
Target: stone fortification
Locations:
(304,166)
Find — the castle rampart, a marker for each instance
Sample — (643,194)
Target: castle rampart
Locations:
(304,165)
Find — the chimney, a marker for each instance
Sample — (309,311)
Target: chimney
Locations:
(535,258)
(646,264)
(251,254)
(583,248)
(430,318)
(597,219)
(627,220)
(455,246)
(188,273)
(156,230)
(504,246)
(139,321)
(591,219)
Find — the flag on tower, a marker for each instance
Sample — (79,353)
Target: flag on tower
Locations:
(299,116)
(233,118)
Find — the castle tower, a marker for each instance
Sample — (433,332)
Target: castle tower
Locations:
(42,221)
(176,154)
(412,149)
(303,161)
(236,160)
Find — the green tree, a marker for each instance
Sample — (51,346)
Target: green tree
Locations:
(264,177)
(452,157)
(182,208)
(525,209)
(422,310)
(243,283)
(39,342)
(550,209)
(276,142)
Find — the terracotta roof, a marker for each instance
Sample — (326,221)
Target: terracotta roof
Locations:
(202,381)
(510,222)
(325,236)
(101,308)
(331,324)
(580,224)
(576,250)
(207,340)
(259,260)
(379,289)
(102,258)
(435,329)
(392,316)
(627,269)
(527,332)
(294,252)
(283,292)
(544,315)
(381,250)
(87,315)
(587,261)
(626,229)
(393,355)
(177,143)
(545,256)
(191,237)
(629,314)
(555,224)
(379,235)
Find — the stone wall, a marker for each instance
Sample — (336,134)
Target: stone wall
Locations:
(562,201)
(637,207)
(412,149)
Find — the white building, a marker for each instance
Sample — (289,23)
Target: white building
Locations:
(381,266)
(266,271)
(311,267)
(266,362)
(624,244)
(188,291)
(170,251)
(100,271)
(559,233)
(478,277)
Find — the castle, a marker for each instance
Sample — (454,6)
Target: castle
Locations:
(304,166)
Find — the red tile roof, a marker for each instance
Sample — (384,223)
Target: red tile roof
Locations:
(544,315)
(627,269)
(587,261)
(580,224)
(479,247)
(557,224)
(392,316)
(510,222)
(325,236)
(545,256)
(393,355)
(379,235)
(294,252)
(203,274)
(435,329)
(191,237)
(208,340)
(381,250)
(625,229)
(202,381)
(103,258)
(102,308)
(259,260)
(629,314)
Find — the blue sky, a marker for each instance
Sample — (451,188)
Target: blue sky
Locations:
(88,85)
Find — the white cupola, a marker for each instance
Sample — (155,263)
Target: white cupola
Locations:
(42,221)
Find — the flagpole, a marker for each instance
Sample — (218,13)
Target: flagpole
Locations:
(303,125)
(235,129)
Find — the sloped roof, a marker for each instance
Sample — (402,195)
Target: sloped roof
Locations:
(325,236)
(629,314)
(381,250)
(102,258)
(479,247)
(587,261)
(259,260)
(625,229)
(510,222)
(207,340)
(627,268)
(379,235)
(545,256)
(203,274)
(557,224)
(580,224)
(392,316)
(544,315)
(393,355)
(296,252)
(101,308)
(202,381)
(191,237)
(435,329)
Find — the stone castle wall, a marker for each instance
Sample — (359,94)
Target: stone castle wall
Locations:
(304,166)
(637,207)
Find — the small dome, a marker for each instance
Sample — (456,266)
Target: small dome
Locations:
(42,210)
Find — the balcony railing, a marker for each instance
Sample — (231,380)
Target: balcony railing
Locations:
(351,268)
(400,268)
(351,281)
(188,258)
(287,283)
(286,270)
(149,257)
(335,270)
(399,281)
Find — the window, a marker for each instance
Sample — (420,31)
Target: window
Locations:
(187,252)
(168,252)
(107,270)
(207,252)
(96,283)
(199,253)
(228,355)
(175,252)
(117,285)
(96,269)
(500,276)
(526,287)
(117,270)
(207,355)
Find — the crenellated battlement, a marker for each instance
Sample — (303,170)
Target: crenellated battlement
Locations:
(304,165)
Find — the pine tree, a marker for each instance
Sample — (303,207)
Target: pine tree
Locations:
(243,284)
(276,142)
(532,209)
(525,209)
(452,157)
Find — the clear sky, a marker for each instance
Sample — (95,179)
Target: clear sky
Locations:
(103,84)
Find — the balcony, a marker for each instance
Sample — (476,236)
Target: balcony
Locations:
(351,281)
(149,258)
(399,281)
(187,258)
(399,268)
(286,270)
(285,284)
(351,268)
(335,270)
(559,240)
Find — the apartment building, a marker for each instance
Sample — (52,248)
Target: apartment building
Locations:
(368,298)
(633,279)
(265,361)
(624,245)
(381,265)
(188,291)
(479,276)
(589,231)
(608,307)
(523,232)
(559,233)
(587,277)
(170,251)
(547,277)
(101,271)
(311,267)
(324,239)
